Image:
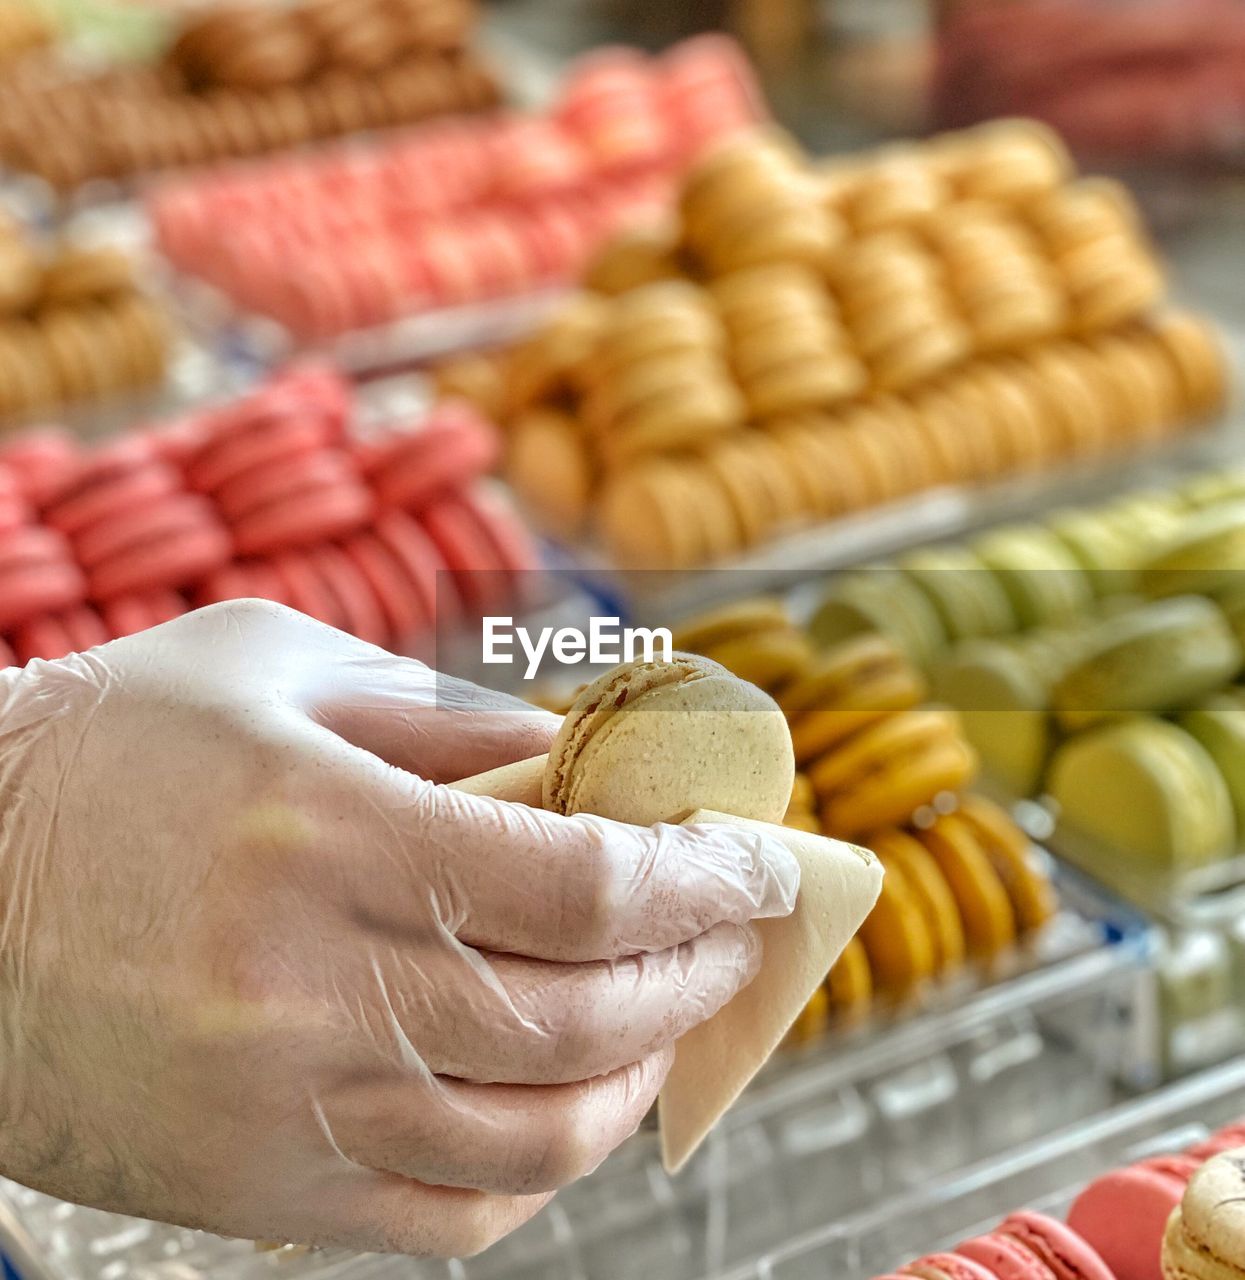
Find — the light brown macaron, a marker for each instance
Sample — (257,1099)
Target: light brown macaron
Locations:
(653,742)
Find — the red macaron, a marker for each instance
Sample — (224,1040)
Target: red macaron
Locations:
(944,1266)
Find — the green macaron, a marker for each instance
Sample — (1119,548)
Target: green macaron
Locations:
(1153,659)
(968,598)
(1212,488)
(1218,724)
(885,601)
(1042,578)
(1146,792)
(1206,556)
(1106,552)
(1004,705)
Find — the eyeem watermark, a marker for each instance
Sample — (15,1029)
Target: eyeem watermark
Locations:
(606,643)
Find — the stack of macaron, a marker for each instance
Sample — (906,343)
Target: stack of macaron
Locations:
(1124,1214)
(944,313)
(244,79)
(1025,1246)
(458,212)
(1094,655)
(74,325)
(273,496)
(963,883)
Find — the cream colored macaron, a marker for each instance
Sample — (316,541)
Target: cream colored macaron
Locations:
(653,741)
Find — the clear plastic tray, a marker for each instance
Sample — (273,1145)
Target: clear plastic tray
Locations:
(1045,1176)
(820,1136)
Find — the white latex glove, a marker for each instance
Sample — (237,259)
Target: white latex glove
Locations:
(260,974)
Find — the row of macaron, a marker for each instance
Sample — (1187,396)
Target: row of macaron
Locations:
(743,487)
(247,45)
(269,476)
(1187,538)
(893,307)
(503,206)
(1179,1217)
(1063,670)
(118,124)
(398,581)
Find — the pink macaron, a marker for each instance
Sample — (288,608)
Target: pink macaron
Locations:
(242,580)
(128,615)
(175,560)
(1124,1214)
(1230,1139)
(359,605)
(306,589)
(304,519)
(1060,1249)
(44,636)
(141,524)
(288,437)
(41,460)
(38,575)
(112,493)
(421,561)
(409,468)
(1005,1258)
(284,480)
(405,610)
(481,578)
(944,1266)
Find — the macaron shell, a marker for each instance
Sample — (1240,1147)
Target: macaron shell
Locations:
(1057,1246)
(989,921)
(902,853)
(1123,1216)
(1148,787)
(1214,1212)
(743,761)
(176,561)
(1005,1258)
(948,1266)
(897,939)
(1014,861)
(850,982)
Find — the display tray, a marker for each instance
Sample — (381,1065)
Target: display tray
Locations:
(1045,1176)
(821,1135)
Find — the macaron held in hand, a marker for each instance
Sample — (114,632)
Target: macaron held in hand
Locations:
(652,743)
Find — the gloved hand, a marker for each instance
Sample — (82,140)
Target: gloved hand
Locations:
(261,974)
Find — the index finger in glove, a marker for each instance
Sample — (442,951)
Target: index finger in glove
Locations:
(524,881)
